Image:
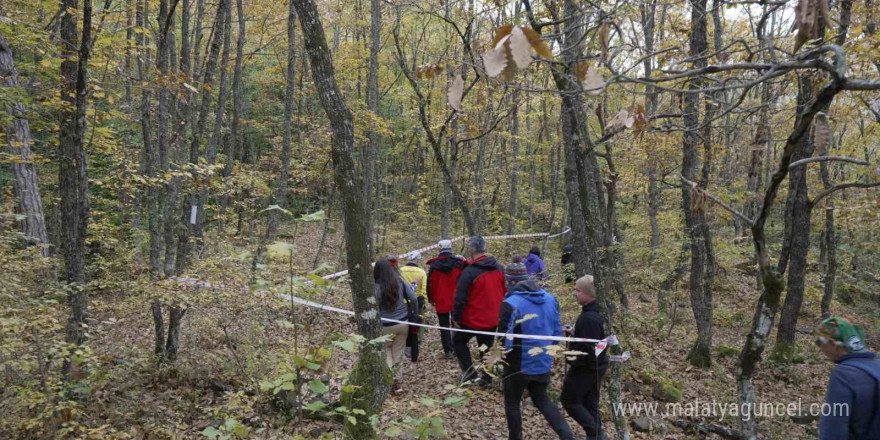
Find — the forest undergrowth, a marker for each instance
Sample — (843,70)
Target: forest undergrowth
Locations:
(236,372)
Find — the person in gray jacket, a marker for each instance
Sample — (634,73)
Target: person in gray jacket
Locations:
(396,301)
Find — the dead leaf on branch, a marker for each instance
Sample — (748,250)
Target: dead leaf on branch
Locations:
(511,51)
(622,119)
(593,83)
(698,200)
(603,35)
(821,134)
(456,90)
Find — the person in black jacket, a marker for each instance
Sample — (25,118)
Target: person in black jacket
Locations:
(580,389)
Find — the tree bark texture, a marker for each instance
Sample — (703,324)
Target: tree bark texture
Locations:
(374,140)
(183,245)
(73,181)
(18,135)
(370,375)
(700,287)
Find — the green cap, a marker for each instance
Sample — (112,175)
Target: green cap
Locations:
(845,332)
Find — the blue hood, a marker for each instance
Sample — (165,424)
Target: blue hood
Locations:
(529,291)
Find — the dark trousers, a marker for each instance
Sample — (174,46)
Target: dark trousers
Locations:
(514,384)
(445,335)
(412,338)
(580,398)
(463,352)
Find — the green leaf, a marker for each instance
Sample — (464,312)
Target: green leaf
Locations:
(318,281)
(316,406)
(427,401)
(280,250)
(393,432)
(347,345)
(276,208)
(454,400)
(358,411)
(211,432)
(318,387)
(313,217)
(352,420)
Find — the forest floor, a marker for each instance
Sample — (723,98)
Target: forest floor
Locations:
(231,341)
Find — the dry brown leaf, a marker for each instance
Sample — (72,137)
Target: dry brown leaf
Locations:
(821,134)
(580,70)
(428,71)
(538,44)
(419,72)
(698,200)
(520,49)
(603,34)
(640,121)
(495,60)
(456,90)
(620,119)
(593,83)
(500,33)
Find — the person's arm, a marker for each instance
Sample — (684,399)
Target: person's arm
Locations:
(839,399)
(504,317)
(423,281)
(462,290)
(557,325)
(428,285)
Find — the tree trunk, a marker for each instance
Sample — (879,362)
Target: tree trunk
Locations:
(695,222)
(370,376)
(800,209)
(73,183)
(371,148)
(514,168)
(18,135)
(830,240)
(219,116)
(237,98)
(281,193)
(183,246)
(165,194)
(586,202)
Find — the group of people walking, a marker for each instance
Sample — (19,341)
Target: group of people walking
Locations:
(478,294)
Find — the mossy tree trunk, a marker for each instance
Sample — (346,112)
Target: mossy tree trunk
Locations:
(370,378)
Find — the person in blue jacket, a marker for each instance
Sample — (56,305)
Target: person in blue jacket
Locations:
(527,309)
(852,401)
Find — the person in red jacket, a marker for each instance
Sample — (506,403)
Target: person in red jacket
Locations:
(443,273)
(478,296)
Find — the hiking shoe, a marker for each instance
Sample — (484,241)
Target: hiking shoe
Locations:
(449,355)
(396,388)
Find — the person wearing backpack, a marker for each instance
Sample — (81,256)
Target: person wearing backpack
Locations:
(528,309)
(396,301)
(853,396)
(443,273)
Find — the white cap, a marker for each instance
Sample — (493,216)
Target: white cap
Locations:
(413,256)
(444,244)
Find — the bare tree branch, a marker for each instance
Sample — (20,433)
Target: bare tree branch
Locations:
(827,158)
(836,188)
(695,187)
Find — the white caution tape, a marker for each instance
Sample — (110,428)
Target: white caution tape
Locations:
(601,344)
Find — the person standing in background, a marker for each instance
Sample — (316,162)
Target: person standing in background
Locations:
(534,263)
